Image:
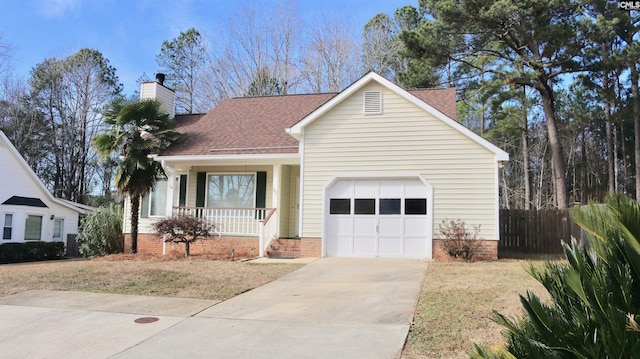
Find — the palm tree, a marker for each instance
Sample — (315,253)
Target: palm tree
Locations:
(594,304)
(135,131)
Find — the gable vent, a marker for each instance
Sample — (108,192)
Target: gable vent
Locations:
(373,102)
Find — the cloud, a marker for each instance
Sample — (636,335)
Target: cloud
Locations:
(57,8)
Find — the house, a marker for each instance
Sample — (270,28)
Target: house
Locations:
(367,172)
(28,211)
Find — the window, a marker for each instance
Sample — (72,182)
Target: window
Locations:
(231,190)
(365,206)
(415,206)
(389,205)
(7,229)
(33,228)
(340,206)
(58,224)
(158,199)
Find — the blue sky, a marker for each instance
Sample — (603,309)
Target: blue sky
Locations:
(130,32)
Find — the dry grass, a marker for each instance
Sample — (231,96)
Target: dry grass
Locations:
(456,302)
(186,278)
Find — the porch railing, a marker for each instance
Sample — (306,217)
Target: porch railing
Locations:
(260,222)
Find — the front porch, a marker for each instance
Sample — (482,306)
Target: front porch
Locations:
(253,203)
(237,222)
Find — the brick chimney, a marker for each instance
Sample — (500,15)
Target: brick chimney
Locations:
(157,90)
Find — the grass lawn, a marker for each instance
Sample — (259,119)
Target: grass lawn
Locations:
(186,278)
(456,302)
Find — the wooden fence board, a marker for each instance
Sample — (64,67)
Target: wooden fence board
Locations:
(535,232)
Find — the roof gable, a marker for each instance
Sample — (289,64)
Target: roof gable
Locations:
(418,98)
(4,142)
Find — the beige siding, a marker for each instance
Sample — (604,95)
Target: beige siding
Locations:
(283,208)
(403,140)
(293,201)
(153,90)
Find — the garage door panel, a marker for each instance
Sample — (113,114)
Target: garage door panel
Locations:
(364,246)
(415,247)
(415,226)
(364,225)
(390,226)
(365,189)
(340,246)
(390,246)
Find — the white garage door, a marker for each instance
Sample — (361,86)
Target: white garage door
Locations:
(378,218)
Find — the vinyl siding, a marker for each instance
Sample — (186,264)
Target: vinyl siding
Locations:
(402,140)
(16,181)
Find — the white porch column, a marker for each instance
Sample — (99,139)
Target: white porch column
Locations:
(170,171)
(275,195)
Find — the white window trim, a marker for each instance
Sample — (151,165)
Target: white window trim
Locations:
(149,207)
(42,224)
(255,184)
(13,226)
(176,194)
(53,232)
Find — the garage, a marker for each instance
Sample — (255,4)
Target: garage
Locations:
(378,217)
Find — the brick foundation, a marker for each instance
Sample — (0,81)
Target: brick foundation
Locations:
(243,247)
(311,247)
(487,251)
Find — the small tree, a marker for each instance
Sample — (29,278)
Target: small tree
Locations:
(457,240)
(184,229)
(101,232)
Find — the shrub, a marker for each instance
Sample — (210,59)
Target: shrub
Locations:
(594,304)
(457,240)
(30,251)
(184,229)
(101,232)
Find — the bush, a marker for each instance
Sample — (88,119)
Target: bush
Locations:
(30,251)
(458,241)
(183,229)
(101,232)
(594,303)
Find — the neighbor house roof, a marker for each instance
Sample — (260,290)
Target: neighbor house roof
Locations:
(256,125)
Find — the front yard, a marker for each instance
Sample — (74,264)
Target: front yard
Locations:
(456,302)
(453,311)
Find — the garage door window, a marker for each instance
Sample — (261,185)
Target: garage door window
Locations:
(365,206)
(340,206)
(415,206)
(389,205)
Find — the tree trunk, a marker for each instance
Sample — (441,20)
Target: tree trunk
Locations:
(135,209)
(525,152)
(636,125)
(186,248)
(557,158)
(525,170)
(606,86)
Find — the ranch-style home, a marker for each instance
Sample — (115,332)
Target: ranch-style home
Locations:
(367,172)
(28,211)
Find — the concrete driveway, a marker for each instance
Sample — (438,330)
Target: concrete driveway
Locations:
(333,307)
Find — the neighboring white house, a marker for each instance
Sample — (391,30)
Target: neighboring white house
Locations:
(367,172)
(28,211)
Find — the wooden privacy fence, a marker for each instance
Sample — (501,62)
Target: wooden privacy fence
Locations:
(535,231)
